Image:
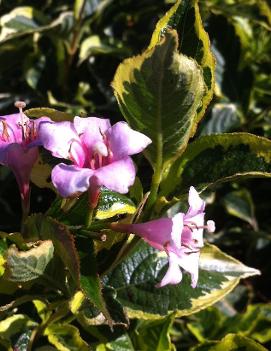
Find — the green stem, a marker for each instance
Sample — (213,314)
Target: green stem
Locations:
(156,178)
(89,217)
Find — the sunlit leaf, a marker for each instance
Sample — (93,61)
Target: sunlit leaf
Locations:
(48,228)
(65,338)
(154,335)
(231,342)
(219,158)
(184,16)
(135,279)
(14,324)
(159,93)
(23,266)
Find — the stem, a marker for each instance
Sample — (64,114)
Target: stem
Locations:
(74,41)
(25,203)
(89,217)
(156,178)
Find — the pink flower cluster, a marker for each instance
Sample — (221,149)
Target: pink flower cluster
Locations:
(98,154)
(181,237)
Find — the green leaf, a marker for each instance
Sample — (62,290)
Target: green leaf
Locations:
(159,93)
(25,20)
(93,45)
(14,324)
(63,241)
(110,204)
(55,115)
(240,204)
(3,249)
(65,338)
(219,158)
(91,284)
(184,16)
(135,279)
(123,343)
(224,119)
(231,342)
(153,335)
(23,266)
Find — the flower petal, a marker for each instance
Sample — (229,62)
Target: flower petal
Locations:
(156,233)
(91,129)
(70,180)
(196,204)
(193,238)
(21,160)
(13,123)
(189,261)
(58,137)
(117,176)
(173,275)
(124,141)
(177,228)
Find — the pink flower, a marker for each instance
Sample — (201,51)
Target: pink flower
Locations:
(181,237)
(18,150)
(99,154)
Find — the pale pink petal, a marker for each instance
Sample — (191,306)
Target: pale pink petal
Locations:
(196,204)
(191,235)
(190,263)
(177,228)
(117,176)
(192,239)
(71,180)
(173,275)
(58,137)
(124,141)
(91,130)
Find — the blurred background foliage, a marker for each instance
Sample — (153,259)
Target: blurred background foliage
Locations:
(63,54)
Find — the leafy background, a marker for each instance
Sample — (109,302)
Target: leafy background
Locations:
(58,56)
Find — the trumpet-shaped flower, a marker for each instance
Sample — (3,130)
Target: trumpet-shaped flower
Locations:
(100,155)
(181,237)
(18,150)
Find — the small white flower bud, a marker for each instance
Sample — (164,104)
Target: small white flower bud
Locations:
(210,226)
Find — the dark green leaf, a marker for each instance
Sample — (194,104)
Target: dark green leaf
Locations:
(48,228)
(91,284)
(159,93)
(153,335)
(231,342)
(240,204)
(219,158)
(135,279)
(184,16)
(66,337)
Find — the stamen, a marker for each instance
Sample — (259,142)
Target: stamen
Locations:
(5,135)
(100,149)
(211,226)
(192,226)
(21,105)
